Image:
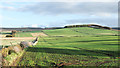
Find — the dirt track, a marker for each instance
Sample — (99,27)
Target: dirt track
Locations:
(19,38)
(38,34)
(14,40)
(106,33)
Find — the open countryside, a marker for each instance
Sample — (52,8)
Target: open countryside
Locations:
(59,34)
(68,47)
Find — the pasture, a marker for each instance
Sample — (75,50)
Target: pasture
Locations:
(73,47)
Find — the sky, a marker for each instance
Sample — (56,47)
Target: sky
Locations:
(58,14)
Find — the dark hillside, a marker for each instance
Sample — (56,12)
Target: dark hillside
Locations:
(117,28)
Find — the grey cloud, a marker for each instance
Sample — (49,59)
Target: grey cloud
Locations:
(111,22)
(59,0)
(72,8)
(86,8)
(104,21)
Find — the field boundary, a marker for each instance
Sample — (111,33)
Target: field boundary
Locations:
(18,51)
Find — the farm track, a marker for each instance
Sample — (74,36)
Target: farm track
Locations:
(19,38)
(110,55)
(45,33)
(38,34)
(46,41)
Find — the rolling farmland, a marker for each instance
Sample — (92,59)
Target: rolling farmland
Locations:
(73,47)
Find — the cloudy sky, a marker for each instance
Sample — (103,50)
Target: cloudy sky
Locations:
(57,14)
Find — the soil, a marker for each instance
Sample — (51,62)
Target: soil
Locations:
(17,38)
(2,36)
(106,33)
(14,40)
(38,34)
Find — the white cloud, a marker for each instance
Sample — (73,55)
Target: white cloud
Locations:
(59,0)
(104,14)
(97,9)
(75,24)
(56,8)
(34,25)
(10,3)
(0,20)
(0,16)
(109,21)
(7,7)
(81,23)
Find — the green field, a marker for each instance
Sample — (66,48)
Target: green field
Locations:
(26,34)
(73,47)
(83,31)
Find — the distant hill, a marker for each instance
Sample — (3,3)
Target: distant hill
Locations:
(19,29)
(30,28)
(117,28)
(69,26)
(89,25)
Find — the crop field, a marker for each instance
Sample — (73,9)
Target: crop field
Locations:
(73,47)
(20,36)
(26,34)
(84,31)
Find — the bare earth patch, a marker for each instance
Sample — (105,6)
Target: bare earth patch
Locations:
(7,31)
(18,38)
(106,33)
(1,36)
(14,40)
(38,34)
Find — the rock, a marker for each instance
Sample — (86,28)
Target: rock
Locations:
(25,44)
(17,48)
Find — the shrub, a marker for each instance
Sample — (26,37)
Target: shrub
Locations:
(6,46)
(13,35)
(9,35)
(24,44)
(11,51)
(4,52)
(17,48)
(14,31)
(71,26)
(107,28)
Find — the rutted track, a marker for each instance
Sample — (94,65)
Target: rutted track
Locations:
(19,38)
(46,41)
